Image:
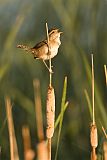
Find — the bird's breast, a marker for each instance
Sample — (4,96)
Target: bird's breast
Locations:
(54,49)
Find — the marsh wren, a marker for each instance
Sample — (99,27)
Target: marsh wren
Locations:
(45,50)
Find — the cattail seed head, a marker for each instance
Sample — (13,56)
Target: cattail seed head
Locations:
(42,151)
(50,112)
(94,136)
(29,154)
(105,150)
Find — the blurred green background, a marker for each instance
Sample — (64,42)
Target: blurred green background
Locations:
(84,26)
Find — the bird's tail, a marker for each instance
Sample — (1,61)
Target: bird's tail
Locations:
(28,49)
(24,47)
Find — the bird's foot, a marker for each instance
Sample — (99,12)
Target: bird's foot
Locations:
(50,70)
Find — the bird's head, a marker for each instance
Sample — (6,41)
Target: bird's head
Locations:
(54,34)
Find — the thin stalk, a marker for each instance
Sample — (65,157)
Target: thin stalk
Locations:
(49,148)
(93,108)
(105,69)
(50,62)
(50,85)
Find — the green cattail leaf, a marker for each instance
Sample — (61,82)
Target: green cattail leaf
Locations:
(61,114)
(89,102)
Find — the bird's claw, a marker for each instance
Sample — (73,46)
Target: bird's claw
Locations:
(50,70)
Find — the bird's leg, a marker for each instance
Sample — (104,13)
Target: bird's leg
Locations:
(47,67)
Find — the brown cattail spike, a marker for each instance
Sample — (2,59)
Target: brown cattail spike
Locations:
(50,112)
(38,109)
(94,136)
(105,150)
(12,137)
(28,152)
(42,151)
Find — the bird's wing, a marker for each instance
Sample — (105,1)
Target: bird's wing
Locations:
(40,44)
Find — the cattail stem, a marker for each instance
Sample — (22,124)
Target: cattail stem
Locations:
(93,109)
(93,132)
(105,69)
(50,66)
(93,154)
(49,148)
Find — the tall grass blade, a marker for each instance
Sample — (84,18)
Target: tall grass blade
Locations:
(89,102)
(61,114)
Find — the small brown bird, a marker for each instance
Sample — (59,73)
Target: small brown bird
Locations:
(44,51)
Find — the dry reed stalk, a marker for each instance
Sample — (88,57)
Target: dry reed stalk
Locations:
(28,152)
(38,110)
(93,131)
(42,151)
(12,138)
(50,115)
(93,108)
(105,150)
(105,69)
(50,62)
